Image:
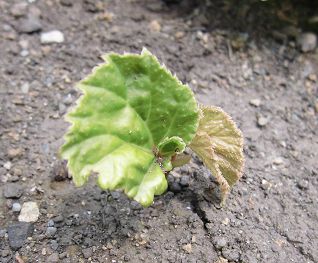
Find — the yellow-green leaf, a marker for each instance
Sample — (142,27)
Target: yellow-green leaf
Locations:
(132,109)
(219,143)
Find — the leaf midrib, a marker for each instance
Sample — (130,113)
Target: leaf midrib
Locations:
(127,101)
(130,107)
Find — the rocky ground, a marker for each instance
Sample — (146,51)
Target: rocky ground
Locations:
(265,78)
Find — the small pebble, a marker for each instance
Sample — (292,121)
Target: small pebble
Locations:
(54,258)
(226,221)
(278,161)
(2,233)
(12,190)
(262,121)
(115,195)
(14,178)
(266,185)
(231,254)
(312,77)
(68,100)
(25,88)
(255,102)
(7,165)
(179,35)
(63,255)
(58,219)
(29,25)
(155,26)
(187,248)
(19,9)
(54,245)
(33,10)
(14,152)
(5,253)
(87,252)
(24,53)
(29,212)
(220,242)
(51,231)
(9,203)
(16,207)
(307,42)
(50,223)
(24,44)
(18,233)
(303,184)
(51,37)
(17,171)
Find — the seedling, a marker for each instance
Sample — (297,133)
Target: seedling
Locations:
(132,124)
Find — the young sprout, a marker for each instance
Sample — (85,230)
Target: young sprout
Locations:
(132,124)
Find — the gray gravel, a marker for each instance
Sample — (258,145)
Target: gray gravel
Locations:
(13,190)
(18,233)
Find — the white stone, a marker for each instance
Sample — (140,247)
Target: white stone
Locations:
(29,212)
(50,37)
(278,161)
(262,121)
(226,221)
(24,53)
(255,102)
(7,165)
(25,88)
(307,42)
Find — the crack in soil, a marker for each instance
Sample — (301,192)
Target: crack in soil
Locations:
(195,206)
(294,243)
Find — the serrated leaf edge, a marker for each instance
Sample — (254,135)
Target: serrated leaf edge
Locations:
(223,183)
(106,58)
(240,135)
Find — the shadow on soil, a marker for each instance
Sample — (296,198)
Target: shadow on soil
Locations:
(255,17)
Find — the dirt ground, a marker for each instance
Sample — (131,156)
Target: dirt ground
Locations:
(267,86)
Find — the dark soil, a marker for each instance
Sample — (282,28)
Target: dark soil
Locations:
(272,212)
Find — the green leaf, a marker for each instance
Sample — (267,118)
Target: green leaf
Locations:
(171,146)
(130,106)
(219,143)
(168,149)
